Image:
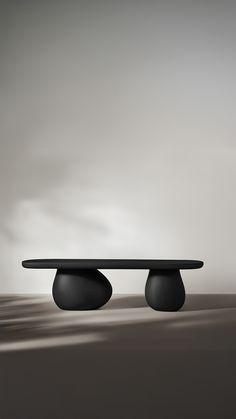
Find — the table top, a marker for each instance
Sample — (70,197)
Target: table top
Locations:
(161,264)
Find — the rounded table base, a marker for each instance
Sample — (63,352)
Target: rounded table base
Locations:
(80,289)
(164,290)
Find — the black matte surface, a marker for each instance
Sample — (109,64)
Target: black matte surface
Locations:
(111,264)
(80,289)
(164,290)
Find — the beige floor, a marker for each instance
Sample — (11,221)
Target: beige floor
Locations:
(122,361)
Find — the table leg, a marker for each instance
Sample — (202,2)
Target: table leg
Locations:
(80,289)
(164,290)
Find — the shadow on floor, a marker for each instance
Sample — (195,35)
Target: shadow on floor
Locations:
(28,317)
(209,302)
(194,302)
(124,302)
(124,361)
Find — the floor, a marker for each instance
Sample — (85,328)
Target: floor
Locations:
(124,361)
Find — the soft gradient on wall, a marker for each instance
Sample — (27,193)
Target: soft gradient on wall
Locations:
(118,137)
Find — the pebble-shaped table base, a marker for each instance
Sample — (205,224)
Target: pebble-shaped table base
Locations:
(79,285)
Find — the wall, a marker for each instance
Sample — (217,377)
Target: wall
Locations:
(118,137)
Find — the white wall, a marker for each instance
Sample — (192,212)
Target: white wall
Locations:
(118,137)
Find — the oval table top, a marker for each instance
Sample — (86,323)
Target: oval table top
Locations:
(161,264)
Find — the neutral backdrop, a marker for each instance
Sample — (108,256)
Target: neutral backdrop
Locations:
(118,137)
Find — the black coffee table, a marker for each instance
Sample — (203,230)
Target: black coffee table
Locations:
(79,285)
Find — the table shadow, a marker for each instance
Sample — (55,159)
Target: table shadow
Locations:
(195,302)
(118,362)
